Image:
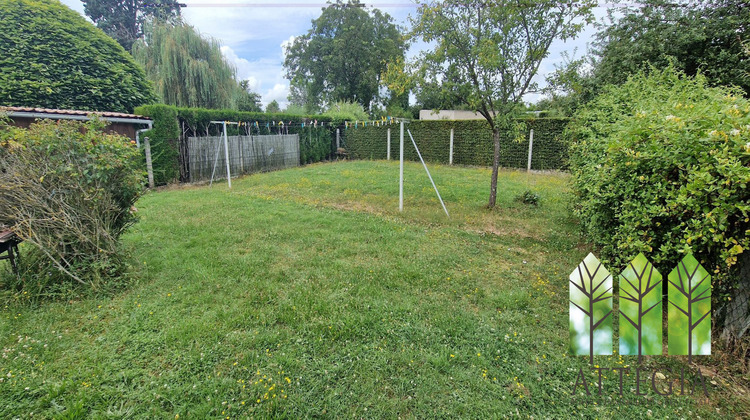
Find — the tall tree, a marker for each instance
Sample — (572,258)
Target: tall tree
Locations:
(51,57)
(486,54)
(247,100)
(273,107)
(342,57)
(124,20)
(187,69)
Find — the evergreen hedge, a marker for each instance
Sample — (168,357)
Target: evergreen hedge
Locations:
(164,138)
(472,143)
(51,57)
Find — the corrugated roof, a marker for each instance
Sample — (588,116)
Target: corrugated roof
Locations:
(63,112)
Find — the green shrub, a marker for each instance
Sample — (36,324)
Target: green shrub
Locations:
(164,138)
(346,111)
(68,191)
(52,57)
(528,197)
(661,166)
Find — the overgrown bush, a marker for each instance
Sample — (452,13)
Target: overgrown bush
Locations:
(346,111)
(661,165)
(68,190)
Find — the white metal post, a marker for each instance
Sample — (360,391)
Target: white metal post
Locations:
(338,139)
(401,170)
(531,147)
(450,158)
(388,151)
(226,155)
(149,165)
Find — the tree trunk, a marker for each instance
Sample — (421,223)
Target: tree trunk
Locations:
(495,165)
(737,310)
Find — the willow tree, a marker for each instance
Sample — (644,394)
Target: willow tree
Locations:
(187,69)
(485,54)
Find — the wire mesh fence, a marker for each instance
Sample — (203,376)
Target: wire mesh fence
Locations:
(247,154)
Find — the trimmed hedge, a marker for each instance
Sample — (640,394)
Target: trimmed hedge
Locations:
(164,138)
(52,57)
(173,126)
(472,143)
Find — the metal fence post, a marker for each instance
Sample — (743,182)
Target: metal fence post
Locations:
(401,171)
(531,147)
(450,157)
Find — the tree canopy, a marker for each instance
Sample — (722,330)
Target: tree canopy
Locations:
(708,37)
(342,57)
(486,56)
(273,107)
(53,58)
(124,20)
(247,100)
(188,69)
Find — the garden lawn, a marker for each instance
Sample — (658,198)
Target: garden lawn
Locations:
(305,293)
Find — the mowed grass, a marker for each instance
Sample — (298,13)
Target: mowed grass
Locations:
(305,293)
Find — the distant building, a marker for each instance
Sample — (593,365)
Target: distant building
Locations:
(118,123)
(449,114)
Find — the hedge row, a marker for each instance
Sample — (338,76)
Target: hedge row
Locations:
(472,143)
(164,138)
(173,126)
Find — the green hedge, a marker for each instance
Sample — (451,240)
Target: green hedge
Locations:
(52,57)
(472,143)
(164,138)
(173,126)
(661,165)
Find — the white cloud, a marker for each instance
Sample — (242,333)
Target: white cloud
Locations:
(260,74)
(252,35)
(279,94)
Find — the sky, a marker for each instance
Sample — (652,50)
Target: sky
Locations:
(253,32)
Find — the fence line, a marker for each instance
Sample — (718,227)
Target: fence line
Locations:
(247,154)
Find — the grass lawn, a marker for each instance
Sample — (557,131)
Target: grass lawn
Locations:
(305,293)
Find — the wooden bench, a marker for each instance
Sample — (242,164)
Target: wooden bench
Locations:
(9,243)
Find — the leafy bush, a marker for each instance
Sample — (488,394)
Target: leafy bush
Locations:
(346,111)
(528,197)
(53,58)
(661,166)
(68,190)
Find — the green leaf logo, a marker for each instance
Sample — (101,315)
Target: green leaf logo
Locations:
(590,306)
(689,309)
(640,309)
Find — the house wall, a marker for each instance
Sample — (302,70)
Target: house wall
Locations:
(124,129)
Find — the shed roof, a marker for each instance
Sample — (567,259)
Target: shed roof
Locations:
(71,114)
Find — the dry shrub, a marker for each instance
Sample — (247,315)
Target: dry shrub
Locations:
(68,190)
